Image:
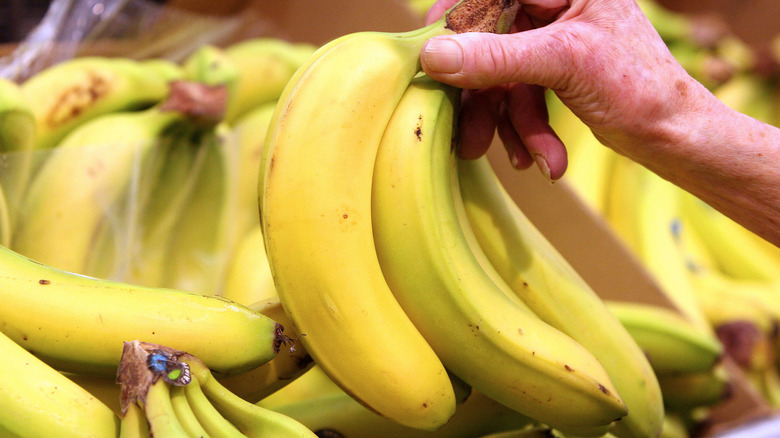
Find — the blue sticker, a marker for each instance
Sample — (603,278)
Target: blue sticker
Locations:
(164,365)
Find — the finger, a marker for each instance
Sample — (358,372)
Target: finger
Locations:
(478,60)
(527,109)
(477,121)
(515,149)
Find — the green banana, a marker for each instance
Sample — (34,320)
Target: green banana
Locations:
(473,321)
(38,401)
(265,65)
(686,391)
(74,91)
(80,323)
(669,340)
(315,211)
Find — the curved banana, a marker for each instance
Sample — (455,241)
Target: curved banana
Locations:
(69,93)
(38,401)
(165,68)
(669,340)
(83,179)
(265,65)
(185,414)
(248,135)
(17,121)
(483,335)
(252,420)
(686,391)
(644,210)
(160,414)
(248,278)
(545,281)
(80,323)
(133,424)
(209,417)
(5,220)
(315,211)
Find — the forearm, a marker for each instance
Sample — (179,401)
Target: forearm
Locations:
(726,158)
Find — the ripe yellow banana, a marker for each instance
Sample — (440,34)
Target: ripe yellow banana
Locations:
(669,340)
(250,419)
(265,65)
(69,93)
(17,121)
(38,401)
(315,202)
(5,220)
(248,279)
(83,179)
(644,210)
(185,413)
(483,335)
(160,413)
(79,323)
(206,414)
(289,364)
(248,135)
(544,280)
(133,423)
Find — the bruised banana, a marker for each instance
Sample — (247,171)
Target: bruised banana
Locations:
(315,203)
(551,288)
(265,65)
(37,401)
(669,340)
(74,91)
(80,323)
(81,180)
(484,336)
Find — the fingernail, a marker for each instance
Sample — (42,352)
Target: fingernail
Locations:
(443,55)
(543,166)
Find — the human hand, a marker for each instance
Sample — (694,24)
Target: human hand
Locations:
(603,59)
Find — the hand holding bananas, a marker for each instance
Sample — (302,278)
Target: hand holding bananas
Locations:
(607,63)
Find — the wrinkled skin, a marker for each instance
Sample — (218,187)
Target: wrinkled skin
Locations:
(605,61)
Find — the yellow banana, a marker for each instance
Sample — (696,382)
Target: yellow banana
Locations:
(545,281)
(38,401)
(686,391)
(213,422)
(160,414)
(483,335)
(737,251)
(17,138)
(185,414)
(248,135)
(289,364)
(248,278)
(202,238)
(133,423)
(251,420)
(265,65)
(82,180)
(315,211)
(67,94)
(644,210)
(80,323)
(669,340)
(17,121)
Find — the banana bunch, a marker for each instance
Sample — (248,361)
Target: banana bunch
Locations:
(170,393)
(382,244)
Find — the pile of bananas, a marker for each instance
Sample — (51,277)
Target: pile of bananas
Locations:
(385,289)
(723,278)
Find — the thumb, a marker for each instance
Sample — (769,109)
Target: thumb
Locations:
(480,60)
